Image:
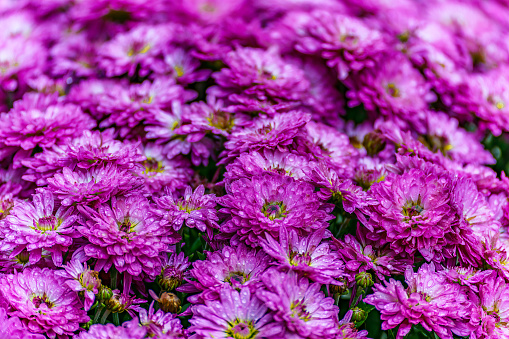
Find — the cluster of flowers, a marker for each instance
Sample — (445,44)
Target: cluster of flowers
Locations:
(253,169)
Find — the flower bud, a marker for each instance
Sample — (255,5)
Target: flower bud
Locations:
(116,304)
(358,314)
(341,289)
(87,325)
(169,302)
(364,279)
(170,278)
(104,293)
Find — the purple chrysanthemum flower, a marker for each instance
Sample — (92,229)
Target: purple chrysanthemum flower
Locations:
(237,314)
(347,43)
(348,330)
(182,66)
(136,103)
(41,120)
(491,316)
(338,190)
(309,256)
(360,254)
(126,51)
(94,148)
(274,161)
(160,172)
(261,75)
(161,325)
(299,305)
(265,203)
(74,54)
(195,210)
(12,328)
(18,262)
(444,135)
(265,133)
(211,117)
(130,329)
(329,145)
(467,276)
(237,266)
(126,235)
(428,300)
(43,302)
(173,271)
(164,127)
(95,185)
(396,88)
(36,227)
(81,279)
(414,212)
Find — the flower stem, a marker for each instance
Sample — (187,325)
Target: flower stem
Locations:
(105,316)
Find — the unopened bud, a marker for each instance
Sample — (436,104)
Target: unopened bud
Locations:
(87,325)
(358,314)
(341,288)
(364,279)
(170,279)
(105,293)
(169,302)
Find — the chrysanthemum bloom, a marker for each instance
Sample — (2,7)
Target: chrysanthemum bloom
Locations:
(159,171)
(126,51)
(126,235)
(428,300)
(20,59)
(173,271)
(323,101)
(88,150)
(161,325)
(74,54)
(360,254)
(338,190)
(467,276)
(182,66)
(273,161)
(309,256)
(95,185)
(395,88)
(265,203)
(18,262)
(132,104)
(163,128)
(122,302)
(211,117)
(443,135)
(347,43)
(414,212)
(259,74)
(36,227)
(265,133)
(329,145)
(40,120)
(237,266)
(195,210)
(348,330)
(81,279)
(491,317)
(130,329)
(12,328)
(43,302)
(95,148)
(237,314)
(299,305)
(490,92)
